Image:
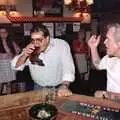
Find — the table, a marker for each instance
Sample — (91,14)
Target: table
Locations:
(16,106)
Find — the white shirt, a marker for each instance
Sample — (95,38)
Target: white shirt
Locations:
(58,62)
(112,65)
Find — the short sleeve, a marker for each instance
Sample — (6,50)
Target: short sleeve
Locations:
(103,63)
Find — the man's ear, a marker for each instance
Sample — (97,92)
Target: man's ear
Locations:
(48,38)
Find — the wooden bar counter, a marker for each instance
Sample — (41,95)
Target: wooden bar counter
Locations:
(16,106)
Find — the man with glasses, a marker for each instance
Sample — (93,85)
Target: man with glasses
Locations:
(49,59)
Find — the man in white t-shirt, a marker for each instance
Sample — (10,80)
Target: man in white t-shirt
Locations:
(49,59)
(110,62)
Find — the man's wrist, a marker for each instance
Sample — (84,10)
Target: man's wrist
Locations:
(24,57)
(63,86)
(93,49)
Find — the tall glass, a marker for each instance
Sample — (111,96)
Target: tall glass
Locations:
(34,55)
(48,94)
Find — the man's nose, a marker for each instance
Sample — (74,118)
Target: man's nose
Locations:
(35,42)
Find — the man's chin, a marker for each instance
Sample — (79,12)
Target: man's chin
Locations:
(111,55)
(42,50)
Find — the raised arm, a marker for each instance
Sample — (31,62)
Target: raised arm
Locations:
(26,53)
(93,44)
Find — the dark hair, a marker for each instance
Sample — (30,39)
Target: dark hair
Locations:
(42,28)
(9,43)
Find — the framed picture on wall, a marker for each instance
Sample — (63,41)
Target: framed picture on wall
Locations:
(76,26)
(27,28)
(47,7)
(60,28)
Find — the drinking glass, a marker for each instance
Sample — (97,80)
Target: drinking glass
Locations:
(34,57)
(48,94)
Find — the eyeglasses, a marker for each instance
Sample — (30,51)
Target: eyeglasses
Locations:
(37,39)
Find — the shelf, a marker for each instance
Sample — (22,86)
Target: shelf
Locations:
(27,19)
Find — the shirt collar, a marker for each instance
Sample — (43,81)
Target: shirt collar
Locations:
(51,44)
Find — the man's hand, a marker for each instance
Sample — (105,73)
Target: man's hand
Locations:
(29,49)
(64,91)
(101,94)
(93,41)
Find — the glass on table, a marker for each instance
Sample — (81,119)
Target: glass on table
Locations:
(48,94)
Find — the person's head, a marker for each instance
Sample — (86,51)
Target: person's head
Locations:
(81,34)
(3,33)
(40,36)
(112,41)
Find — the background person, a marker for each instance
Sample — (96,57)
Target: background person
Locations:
(50,61)
(8,49)
(110,62)
(80,50)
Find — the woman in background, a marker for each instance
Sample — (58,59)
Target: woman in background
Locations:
(80,49)
(8,49)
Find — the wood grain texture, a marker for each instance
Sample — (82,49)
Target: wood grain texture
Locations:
(16,106)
